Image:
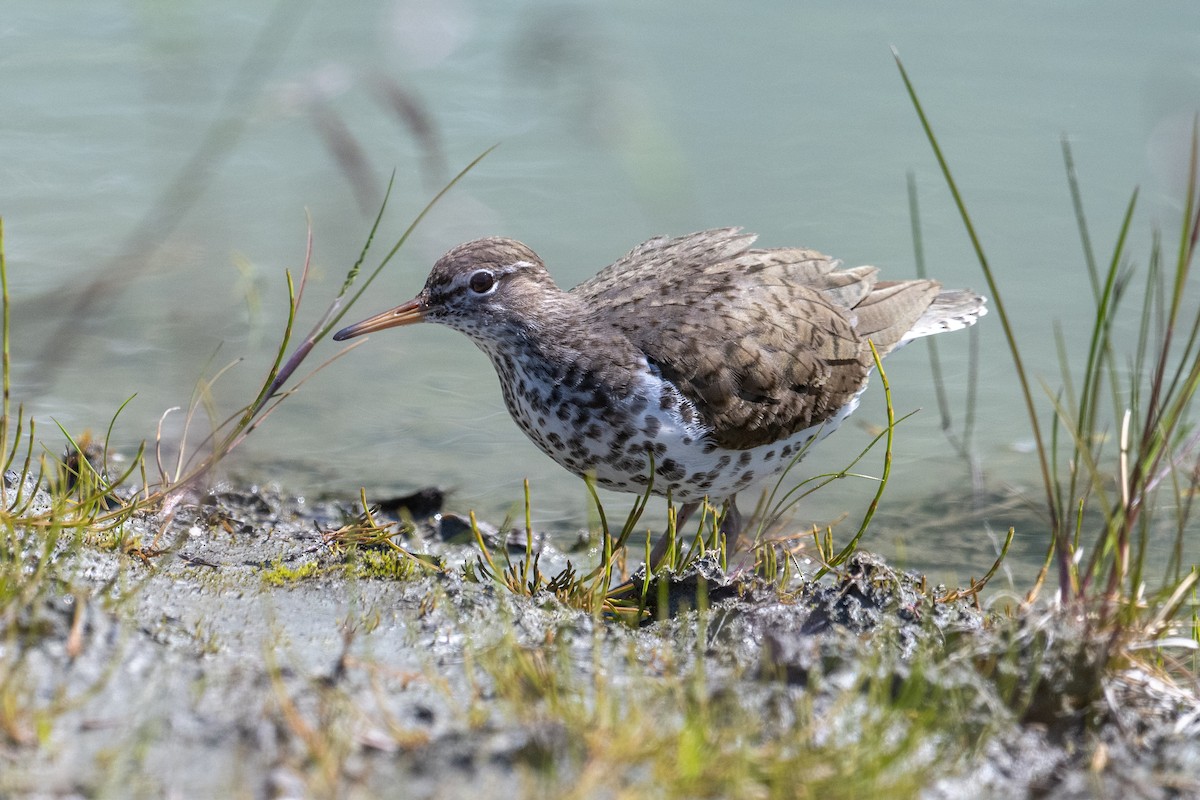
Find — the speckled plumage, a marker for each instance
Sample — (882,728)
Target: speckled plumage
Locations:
(721,360)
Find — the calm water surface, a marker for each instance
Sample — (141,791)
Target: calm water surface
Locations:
(157,163)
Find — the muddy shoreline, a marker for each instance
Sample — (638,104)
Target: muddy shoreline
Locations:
(231,652)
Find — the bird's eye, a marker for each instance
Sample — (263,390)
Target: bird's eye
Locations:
(481,282)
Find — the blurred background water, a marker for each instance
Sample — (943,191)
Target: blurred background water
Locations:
(157,162)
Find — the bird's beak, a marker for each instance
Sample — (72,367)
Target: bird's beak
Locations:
(411,312)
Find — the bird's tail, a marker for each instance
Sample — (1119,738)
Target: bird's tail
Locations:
(951,310)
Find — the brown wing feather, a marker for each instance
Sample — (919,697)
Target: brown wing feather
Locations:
(638,271)
(782,332)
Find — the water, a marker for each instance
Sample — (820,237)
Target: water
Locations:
(614,125)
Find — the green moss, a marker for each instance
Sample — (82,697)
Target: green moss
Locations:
(380,564)
(280,574)
(366,564)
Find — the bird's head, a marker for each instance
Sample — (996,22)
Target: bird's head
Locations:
(483,288)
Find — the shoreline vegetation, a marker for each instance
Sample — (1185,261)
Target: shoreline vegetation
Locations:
(164,630)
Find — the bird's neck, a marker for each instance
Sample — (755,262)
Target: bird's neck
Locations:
(559,342)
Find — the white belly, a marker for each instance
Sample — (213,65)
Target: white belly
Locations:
(614,445)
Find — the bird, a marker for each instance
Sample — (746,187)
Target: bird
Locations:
(695,366)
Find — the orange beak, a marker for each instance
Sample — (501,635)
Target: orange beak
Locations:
(408,314)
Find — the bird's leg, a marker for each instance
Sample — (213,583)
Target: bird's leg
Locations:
(731,526)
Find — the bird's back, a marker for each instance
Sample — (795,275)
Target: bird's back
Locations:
(764,342)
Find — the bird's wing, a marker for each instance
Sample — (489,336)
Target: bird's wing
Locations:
(764,343)
(640,269)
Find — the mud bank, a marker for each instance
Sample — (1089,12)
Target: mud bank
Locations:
(231,651)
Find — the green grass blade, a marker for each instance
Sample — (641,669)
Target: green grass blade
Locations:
(852,545)
(5,355)
(1056,514)
(404,236)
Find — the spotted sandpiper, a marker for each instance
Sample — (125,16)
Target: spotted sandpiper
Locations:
(713,361)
